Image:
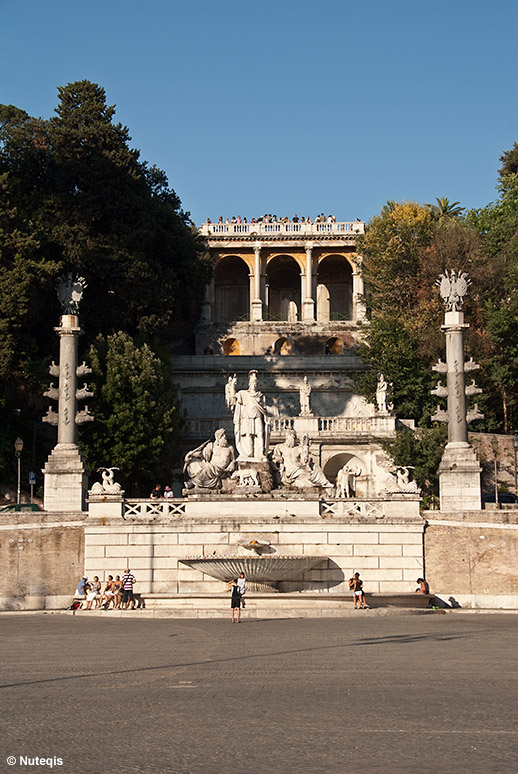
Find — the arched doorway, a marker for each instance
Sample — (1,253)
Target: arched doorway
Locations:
(334,289)
(231,347)
(283,288)
(231,289)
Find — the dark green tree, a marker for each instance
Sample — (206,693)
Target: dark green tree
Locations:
(136,412)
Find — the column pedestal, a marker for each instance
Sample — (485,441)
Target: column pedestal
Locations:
(66,480)
(257,310)
(309,310)
(459,478)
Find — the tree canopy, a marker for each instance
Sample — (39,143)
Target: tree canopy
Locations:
(75,196)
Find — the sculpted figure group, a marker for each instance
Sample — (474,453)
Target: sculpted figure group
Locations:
(207,466)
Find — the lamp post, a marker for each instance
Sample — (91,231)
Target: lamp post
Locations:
(18,448)
(515,447)
(494,446)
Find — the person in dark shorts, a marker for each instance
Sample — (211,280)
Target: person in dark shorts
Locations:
(128,579)
(356,586)
(235,601)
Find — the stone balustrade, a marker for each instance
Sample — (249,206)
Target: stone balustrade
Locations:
(316,427)
(282,229)
(149,509)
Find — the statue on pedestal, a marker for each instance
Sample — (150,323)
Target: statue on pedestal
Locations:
(296,466)
(251,426)
(206,466)
(346,481)
(381,394)
(304,395)
(109,485)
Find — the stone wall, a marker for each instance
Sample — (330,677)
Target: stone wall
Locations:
(41,560)
(389,557)
(471,558)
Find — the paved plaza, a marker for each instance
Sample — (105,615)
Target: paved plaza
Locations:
(428,693)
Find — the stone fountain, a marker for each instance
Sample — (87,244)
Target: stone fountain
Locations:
(262,570)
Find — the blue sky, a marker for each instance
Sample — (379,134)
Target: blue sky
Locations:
(286,106)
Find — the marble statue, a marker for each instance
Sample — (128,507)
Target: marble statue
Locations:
(230,391)
(206,466)
(381,394)
(295,464)
(403,480)
(453,287)
(304,394)
(346,481)
(70,292)
(109,485)
(251,425)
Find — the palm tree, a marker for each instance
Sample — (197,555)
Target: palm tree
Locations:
(445,209)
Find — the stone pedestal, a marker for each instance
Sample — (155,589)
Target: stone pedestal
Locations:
(66,479)
(308,310)
(257,310)
(459,478)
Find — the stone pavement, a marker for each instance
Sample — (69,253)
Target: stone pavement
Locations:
(432,693)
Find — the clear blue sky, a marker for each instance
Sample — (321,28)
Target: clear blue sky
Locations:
(286,106)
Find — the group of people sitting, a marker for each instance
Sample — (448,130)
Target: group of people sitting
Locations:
(274,219)
(118,593)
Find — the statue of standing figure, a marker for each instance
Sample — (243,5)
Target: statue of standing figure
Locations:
(251,425)
(381,394)
(346,481)
(304,395)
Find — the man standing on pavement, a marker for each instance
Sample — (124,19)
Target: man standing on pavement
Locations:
(128,579)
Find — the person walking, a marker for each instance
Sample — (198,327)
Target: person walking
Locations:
(235,602)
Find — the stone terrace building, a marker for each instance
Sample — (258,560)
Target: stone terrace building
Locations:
(287,300)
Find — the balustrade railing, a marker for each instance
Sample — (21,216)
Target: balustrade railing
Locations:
(152,508)
(371,425)
(375,425)
(279,229)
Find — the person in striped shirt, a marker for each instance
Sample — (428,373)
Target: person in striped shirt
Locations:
(128,579)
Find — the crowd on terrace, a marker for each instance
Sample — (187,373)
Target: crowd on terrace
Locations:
(322,218)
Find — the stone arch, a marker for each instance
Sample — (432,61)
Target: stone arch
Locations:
(231,347)
(231,289)
(283,288)
(337,461)
(334,346)
(334,288)
(283,346)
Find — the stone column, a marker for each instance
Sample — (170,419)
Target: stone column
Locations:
(65,473)
(68,333)
(459,471)
(257,303)
(206,307)
(359,311)
(309,301)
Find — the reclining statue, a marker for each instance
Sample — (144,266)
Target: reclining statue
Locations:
(206,466)
(296,466)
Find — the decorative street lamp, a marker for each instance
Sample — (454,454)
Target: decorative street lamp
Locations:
(515,447)
(18,448)
(494,446)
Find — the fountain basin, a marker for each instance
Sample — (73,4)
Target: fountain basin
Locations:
(263,569)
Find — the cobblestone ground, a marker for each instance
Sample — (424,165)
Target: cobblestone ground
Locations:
(434,693)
